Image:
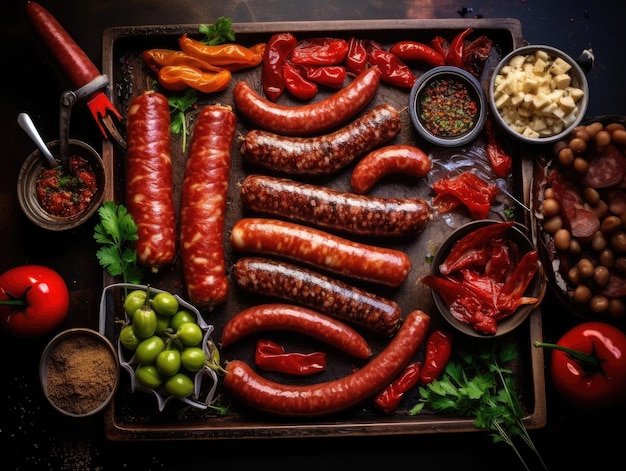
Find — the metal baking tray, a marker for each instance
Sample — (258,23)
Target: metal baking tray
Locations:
(134,416)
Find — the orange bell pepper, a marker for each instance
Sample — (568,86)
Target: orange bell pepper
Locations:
(156,59)
(179,77)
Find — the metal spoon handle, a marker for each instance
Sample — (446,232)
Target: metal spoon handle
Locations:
(26,123)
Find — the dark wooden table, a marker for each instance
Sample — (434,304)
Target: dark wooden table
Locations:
(33,436)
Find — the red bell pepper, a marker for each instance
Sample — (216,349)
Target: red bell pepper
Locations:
(319,51)
(438,352)
(455,53)
(34,300)
(389,398)
(271,356)
(500,161)
(588,365)
(466,189)
(274,56)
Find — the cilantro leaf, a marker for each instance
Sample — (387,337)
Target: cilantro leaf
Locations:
(179,106)
(218,33)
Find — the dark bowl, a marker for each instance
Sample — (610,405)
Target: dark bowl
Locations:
(460,78)
(34,164)
(535,289)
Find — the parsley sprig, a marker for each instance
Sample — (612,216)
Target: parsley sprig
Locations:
(179,106)
(114,231)
(478,385)
(219,32)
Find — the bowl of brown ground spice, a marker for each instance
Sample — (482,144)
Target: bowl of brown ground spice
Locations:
(79,372)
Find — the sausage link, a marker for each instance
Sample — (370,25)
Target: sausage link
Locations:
(321,250)
(316,291)
(312,118)
(329,397)
(404,159)
(277,316)
(322,155)
(203,206)
(331,209)
(149,180)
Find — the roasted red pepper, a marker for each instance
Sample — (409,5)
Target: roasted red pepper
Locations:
(393,70)
(588,365)
(34,300)
(297,84)
(331,76)
(414,51)
(466,189)
(389,398)
(319,51)
(180,77)
(500,161)
(441,45)
(356,60)
(455,53)
(438,352)
(271,356)
(276,52)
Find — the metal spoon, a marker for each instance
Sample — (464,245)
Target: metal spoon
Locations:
(27,125)
(68,99)
(501,184)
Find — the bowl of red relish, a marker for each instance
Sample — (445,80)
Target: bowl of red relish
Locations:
(55,200)
(448,106)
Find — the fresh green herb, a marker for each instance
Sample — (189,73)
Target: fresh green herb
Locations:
(510,213)
(479,386)
(114,231)
(218,33)
(179,105)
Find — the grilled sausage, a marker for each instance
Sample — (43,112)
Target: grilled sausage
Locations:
(308,288)
(332,396)
(330,209)
(279,316)
(322,155)
(321,250)
(312,118)
(149,180)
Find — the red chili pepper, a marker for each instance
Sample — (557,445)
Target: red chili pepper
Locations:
(455,54)
(500,161)
(441,45)
(274,56)
(414,51)
(389,398)
(356,60)
(271,356)
(588,365)
(34,300)
(393,70)
(319,51)
(500,264)
(512,292)
(466,189)
(438,352)
(331,76)
(297,84)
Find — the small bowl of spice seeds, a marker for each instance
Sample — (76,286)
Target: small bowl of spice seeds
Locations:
(448,107)
(79,372)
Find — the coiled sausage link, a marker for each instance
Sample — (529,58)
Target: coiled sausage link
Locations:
(322,155)
(308,288)
(321,249)
(149,180)
(287,317)
(309,119)
(332,396)
(203,205)
(343,212)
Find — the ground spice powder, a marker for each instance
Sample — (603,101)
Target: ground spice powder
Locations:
(81,374)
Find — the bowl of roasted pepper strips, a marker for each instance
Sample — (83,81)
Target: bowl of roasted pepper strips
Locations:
(486,278)
(448,106)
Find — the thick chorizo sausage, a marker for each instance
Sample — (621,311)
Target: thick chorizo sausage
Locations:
(203,206)
(316,291)
(321,250)
(344,212)
(332,396)
(287,317)
(322,155)
(404,159)
(149,180)
(312,118)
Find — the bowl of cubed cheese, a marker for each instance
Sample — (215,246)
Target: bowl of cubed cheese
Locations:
(538,94)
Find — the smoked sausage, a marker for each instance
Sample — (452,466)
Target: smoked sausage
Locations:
(149,180)
(343,212)
(312,118)
(305,287)
(321,250)
(322,155)
(203,206)
(321,399)
(279,316)
(399,158)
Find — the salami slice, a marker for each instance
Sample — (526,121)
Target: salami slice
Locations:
(606,168)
